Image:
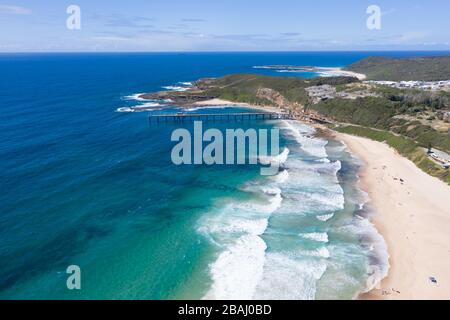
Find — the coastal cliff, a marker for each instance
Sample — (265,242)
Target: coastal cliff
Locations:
(413,118)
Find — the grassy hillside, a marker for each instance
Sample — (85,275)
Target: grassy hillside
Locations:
(406,147)
(410,113)
(380,113)
(404,118)
(397,69)
(243,87)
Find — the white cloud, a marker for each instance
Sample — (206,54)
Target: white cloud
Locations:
(8,9)
(412,36)
(110,38)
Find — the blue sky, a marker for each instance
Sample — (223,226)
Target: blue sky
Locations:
(223,25)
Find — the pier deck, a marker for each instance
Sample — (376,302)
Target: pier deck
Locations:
(180,117)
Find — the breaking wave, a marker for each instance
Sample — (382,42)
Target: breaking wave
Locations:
(239,267)
(280,244)
(141,107)
(316,236)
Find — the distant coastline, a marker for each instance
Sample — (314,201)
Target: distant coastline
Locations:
(428,68)
(321,71)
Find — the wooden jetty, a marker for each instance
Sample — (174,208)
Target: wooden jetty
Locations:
(181,117)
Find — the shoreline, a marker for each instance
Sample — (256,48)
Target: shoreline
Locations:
(410,212)
(361,176)
(221,102)
(322,71)
(337,71)
(413,216)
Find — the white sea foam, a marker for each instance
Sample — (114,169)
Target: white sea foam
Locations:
(274,202)
(318,201)
(378,254)
(290,278)
(325,217)
(315,236)
(238,270)
(125,109)
(298,127)
(236,225)
(315,188)
(320,252)
(275,160)
(141,107)
(282,177)
(289,71)
(304,136)
(378,266)
(324,169)
(331,200)
(262,67)
(306,189)
(175,88)
(313,146)
(135,97)
(148,105)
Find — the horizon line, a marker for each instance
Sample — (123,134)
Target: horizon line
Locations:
(228,51)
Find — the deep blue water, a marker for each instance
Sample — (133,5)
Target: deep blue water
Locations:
(83,184)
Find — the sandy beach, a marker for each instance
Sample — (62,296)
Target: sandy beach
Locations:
(339,72)
(220,102)
(412,212)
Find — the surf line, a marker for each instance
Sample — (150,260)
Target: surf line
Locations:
(233,151)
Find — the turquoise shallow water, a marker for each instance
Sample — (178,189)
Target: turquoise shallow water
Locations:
(83,184)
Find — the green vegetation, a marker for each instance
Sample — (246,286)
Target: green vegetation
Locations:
(406,147)
(406,119)
(413,98)
(425,135)
(401,117)
(380,112)
(371,111)
(398,69)
(243,87)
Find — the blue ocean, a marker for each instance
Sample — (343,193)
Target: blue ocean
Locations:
(84,184)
